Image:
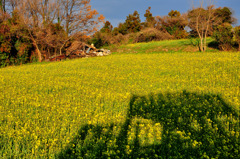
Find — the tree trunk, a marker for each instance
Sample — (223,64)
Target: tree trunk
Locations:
(4,5)
(61,49)
(205,35)
(199,34)
(39,55)
(201,45)
(38,51)
(64,44)
(49,53)
(205,43)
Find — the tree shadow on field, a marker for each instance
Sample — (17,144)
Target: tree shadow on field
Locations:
(190,125)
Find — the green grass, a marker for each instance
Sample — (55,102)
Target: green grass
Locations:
(123,105)
(168,46)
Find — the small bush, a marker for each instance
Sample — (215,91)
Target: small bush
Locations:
(152,34)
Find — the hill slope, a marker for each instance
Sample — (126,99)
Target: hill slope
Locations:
(167,46)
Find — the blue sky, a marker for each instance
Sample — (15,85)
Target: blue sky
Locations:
(116,11)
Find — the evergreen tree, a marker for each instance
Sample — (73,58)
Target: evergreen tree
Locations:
(224,15)
(174,13)
(107,28)
(133,23)
(150,20)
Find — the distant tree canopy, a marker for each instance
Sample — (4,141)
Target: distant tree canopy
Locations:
(224,15)
(203,22)
(174,13)
(218,17)
(46,26)
(174,24)
(224,36)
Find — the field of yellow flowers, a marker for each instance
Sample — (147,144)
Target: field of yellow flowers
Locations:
(122,106)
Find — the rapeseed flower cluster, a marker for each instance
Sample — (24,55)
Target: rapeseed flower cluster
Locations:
(82,105)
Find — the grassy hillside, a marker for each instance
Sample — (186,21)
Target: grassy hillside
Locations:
(123,105)
(167,46)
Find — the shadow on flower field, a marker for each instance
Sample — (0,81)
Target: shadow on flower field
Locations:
(170,125)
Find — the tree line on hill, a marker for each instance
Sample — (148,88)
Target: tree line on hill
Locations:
(201,23)
(34,30)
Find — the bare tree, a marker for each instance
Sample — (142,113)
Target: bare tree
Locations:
(3,5)
(200,20)
(3,13)
(78,18)
(37,16)
(11,5)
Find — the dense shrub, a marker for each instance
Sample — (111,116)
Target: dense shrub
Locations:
(119,39)
(237,36)
(152,34)
(103,39)
(224,37)
(14,47)
(3,59)
(100,39)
